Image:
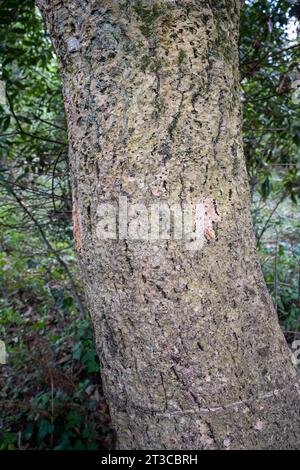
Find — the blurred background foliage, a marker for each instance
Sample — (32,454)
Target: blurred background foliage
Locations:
(50,390)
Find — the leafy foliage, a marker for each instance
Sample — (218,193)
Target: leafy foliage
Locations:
(50,394)
(269,74)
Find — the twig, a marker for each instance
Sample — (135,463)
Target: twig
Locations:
(298,318)
(269,218)
(55,253)
(276,273)
(21,130)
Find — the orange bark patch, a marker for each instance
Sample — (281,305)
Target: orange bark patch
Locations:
(211,217)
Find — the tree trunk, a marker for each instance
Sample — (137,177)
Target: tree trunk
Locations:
(191,351)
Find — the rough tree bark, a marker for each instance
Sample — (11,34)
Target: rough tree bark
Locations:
(191,351)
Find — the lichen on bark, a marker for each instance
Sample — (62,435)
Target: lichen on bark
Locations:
(191,351)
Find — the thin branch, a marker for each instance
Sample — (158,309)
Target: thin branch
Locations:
(21,130)
(269,218)
(50,247)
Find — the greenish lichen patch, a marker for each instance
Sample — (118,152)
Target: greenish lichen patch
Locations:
(145,62)
(181,57)
(173,124)
(147,16)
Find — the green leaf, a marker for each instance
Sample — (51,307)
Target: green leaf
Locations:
(45,428)
(73,419)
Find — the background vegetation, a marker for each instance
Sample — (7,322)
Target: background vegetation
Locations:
(50,391)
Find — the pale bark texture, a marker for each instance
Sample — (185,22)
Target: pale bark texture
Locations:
(191,350)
